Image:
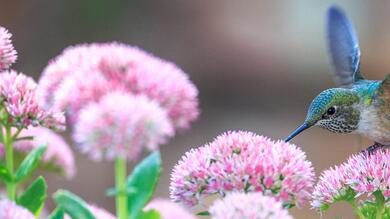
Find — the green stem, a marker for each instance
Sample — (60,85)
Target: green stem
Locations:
(120,183)
(356,210)
(9,156)
(380,204)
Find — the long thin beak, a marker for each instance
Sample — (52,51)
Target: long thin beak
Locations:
(300,129)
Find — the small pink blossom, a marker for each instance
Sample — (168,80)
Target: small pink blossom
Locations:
(169,210)
(99,213)
(19,99)
(92,70)
(243,162)
(249,206)
(58,153)
(361,174)
(121,125)
(9,210)
(8,54)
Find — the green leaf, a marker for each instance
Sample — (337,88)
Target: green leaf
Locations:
(71,204)
(203,213)
(29,163)
(369,210)
(151,214)
(288,205)
(56,214)
(112,191)
(4,174)
(34,197)
(143,180)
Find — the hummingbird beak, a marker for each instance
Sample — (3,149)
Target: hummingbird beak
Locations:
(297,131)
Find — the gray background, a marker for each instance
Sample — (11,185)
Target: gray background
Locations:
(257,65)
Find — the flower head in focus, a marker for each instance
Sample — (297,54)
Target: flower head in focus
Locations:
(169,210)
(10,210)
(361,175)
(248,206)
(121,125)
(58,155)
(8,54)
(92,70)
(21,105)
(243,162)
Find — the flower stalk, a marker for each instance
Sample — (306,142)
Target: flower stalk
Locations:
(120,182)
(380,204)
(8,141)
(356,210)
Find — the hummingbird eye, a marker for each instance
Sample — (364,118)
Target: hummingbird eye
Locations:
(331,111)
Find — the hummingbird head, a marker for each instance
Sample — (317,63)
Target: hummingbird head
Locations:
(335,109)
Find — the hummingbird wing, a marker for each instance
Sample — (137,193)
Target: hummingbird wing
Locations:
(343,47)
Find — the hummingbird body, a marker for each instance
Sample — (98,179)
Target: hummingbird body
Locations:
(374,108)
(358,106)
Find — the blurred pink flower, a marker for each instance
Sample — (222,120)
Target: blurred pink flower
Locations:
(8,54)
(244,162)
(169,210)
(91,70)
(121,124)
(9,210)
(58,153)
(248,206)
(99,213)
(19,98)
(362,174)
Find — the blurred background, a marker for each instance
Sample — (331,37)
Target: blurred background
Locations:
(256,63)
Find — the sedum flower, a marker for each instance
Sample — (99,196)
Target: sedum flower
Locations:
(243,162)
(248,206)
(92,70)
(9,210)
(8,54)
(21,105)
(169,210)
(121,125)
(58,154)
(362,174)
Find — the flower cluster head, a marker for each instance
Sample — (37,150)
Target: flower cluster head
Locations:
(121,125)
(58,155)
(169,210)
(92,70)
(20,104)
(243,162)
(9,210)
(8,54)
(248,206)
(362,174)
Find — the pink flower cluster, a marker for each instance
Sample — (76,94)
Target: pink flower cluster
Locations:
(169,210)
(18,97)
(9,210)
(362,173)
(243,162)
(92,70)
(108,130)
(249,206)
(58,154)
(8,54)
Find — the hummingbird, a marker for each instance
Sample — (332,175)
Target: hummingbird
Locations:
(357,105)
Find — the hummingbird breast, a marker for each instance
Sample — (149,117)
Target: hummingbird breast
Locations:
(374,122)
